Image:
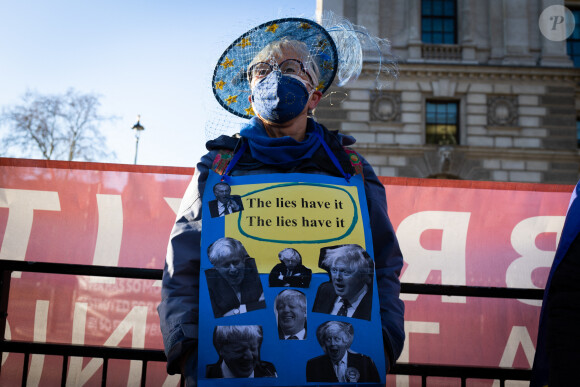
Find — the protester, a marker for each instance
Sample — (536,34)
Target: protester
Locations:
(558,345)
(275,75)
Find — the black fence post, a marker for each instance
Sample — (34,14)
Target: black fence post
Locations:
(5,275)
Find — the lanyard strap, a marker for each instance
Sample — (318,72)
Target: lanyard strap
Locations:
(235,159)
(244,146)
(347,176)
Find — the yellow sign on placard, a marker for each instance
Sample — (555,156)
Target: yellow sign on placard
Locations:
(304,216)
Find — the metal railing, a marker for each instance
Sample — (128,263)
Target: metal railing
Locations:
(466,372)
(153,355)
(71,350)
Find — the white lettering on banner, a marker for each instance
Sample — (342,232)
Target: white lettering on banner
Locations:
(523,240)
(519,335)
(450,260)
(511,383)
(174,203)
(172,380)
(136,320)
(8,336)
(414,327)
(109,235)
(36,360)
(78,337)
(21,204)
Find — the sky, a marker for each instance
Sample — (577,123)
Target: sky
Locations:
(152,58)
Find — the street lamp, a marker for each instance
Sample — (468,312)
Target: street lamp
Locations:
(138,128)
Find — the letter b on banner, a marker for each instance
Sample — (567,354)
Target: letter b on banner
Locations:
(523,239)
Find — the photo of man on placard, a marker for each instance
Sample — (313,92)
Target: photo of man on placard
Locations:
(349,291)
(233,283)
(290,271)
(238,347)
(224,203)
(339,363)
(290,310)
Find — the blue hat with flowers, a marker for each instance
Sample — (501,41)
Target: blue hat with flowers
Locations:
(230,82)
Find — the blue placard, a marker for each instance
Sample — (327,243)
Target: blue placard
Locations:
(286,240)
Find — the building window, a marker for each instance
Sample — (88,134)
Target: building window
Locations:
(439,21)
(442,123)
(573,42)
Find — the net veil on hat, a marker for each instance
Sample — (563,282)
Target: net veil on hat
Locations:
(230,82)
(337,46)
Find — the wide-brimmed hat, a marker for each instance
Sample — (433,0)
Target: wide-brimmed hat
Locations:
(230,82)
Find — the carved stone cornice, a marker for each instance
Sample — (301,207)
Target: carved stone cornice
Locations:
(473,152)
(432,71)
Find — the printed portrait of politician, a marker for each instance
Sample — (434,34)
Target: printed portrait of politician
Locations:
(349,291)
(290,310)
(224,203)
(339,363)
(238,347)
(290,271)
(233,282)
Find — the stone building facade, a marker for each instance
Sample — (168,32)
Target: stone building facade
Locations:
(512,94)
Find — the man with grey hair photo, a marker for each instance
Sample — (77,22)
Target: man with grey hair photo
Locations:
(238,347)
(233,283)
(224,203)
(349,291)
(290,271)
(290,310)
(339,363)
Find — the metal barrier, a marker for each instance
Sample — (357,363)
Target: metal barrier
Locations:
(68,350)
(153,355)
(466,372)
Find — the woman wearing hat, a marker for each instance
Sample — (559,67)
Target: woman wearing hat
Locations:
(275,75)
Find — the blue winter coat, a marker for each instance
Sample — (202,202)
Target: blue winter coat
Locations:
(178,310)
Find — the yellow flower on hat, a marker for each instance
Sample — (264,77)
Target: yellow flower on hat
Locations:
(220,85)
(244,42)
(272,28)
(231,99)
(227,63)
(305,26)
(320,86)
(322,44)
(249,111)
(327,65)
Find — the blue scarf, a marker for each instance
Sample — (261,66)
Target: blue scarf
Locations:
(282,150)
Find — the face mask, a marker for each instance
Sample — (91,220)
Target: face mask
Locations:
(279,98)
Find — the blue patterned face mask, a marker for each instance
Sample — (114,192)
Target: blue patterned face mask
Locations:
(279,98)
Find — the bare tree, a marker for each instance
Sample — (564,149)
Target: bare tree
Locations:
(58,127)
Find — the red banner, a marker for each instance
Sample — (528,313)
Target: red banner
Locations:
(451,232)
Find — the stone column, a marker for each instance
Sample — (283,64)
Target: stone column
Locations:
(368,15)
(517,46)
(414,12)
(496,34)
(554,53)
(335,6)
(466,30)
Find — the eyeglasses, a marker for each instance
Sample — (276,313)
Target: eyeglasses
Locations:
(288,67)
